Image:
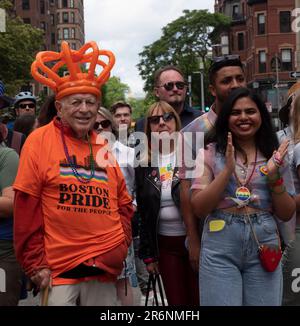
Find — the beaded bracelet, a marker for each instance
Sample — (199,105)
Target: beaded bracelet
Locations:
(276,183)
(280,192)
(276,177)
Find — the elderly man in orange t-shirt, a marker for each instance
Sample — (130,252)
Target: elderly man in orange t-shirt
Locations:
(72,209)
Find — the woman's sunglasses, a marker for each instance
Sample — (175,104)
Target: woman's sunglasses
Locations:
(104,124)
(168,116)
(170,85)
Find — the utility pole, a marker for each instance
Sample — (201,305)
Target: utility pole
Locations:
(201,66)
(190,90)
(297,6)
(2,21)
(277,82)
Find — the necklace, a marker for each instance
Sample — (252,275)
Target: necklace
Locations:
(78,176)
(242,192)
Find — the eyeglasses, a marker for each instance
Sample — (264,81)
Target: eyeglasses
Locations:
(170,85)
(104,124)
(155,119)
(226,58)
(24,106)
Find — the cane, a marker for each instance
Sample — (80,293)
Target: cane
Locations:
(45,295)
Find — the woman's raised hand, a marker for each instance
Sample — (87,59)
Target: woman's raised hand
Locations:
(229,155)
(277,159)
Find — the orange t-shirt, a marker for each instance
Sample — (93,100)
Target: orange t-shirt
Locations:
(81,220)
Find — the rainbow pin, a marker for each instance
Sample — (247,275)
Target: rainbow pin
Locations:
(242,193)
(263,170)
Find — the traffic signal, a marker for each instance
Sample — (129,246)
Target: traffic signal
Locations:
(206,109)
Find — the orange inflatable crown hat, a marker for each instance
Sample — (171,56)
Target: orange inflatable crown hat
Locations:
(76,81)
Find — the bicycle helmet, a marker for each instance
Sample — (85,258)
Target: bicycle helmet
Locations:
(22,96)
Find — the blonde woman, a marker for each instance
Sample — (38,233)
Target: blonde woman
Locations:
(162,237)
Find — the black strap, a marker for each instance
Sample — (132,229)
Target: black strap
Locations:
(152,280)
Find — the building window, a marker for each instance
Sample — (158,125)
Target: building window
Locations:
(285,21)
(65,3)
(26,21)
(65,17)
(58,18)
(53,38)
(59,34)
(52,2)
(235,11)
(25,4)
(73,46)
(261,24)
(71,3)
(73,33)
(66,33)
(72,18)
(52,19)
(43,26)
(241,44)
(286,60)
(262,67)
(42,7)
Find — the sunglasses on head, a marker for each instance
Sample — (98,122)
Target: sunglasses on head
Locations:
(104,124)
(24,106)
(226,58)
(168,116)
(170,85)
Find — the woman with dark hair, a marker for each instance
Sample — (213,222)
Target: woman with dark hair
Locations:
(47,111)
(244,184)
(162,233)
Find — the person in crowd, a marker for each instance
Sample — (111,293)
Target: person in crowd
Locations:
(125,158)
(244,184)
(25,124)
(5,101)
(290,117)
(170,86)
(122,117)
(25,104)
(162,236)
(12,139)
(72,210)
(226,73)
(10,270)
(47,111)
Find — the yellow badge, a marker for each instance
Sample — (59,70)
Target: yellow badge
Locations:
(216,225)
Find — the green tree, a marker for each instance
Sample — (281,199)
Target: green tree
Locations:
(18,47)
(140,106)
(114,90)
(184,41)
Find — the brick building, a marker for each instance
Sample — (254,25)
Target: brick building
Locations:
(60,20)
(261,33)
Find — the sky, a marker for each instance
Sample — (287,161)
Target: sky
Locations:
(125,27)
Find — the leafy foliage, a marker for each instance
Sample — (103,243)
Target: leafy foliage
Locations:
(114,90)
(18,47)
(184,41)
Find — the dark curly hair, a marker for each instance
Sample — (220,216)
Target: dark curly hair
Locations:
(265,138)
